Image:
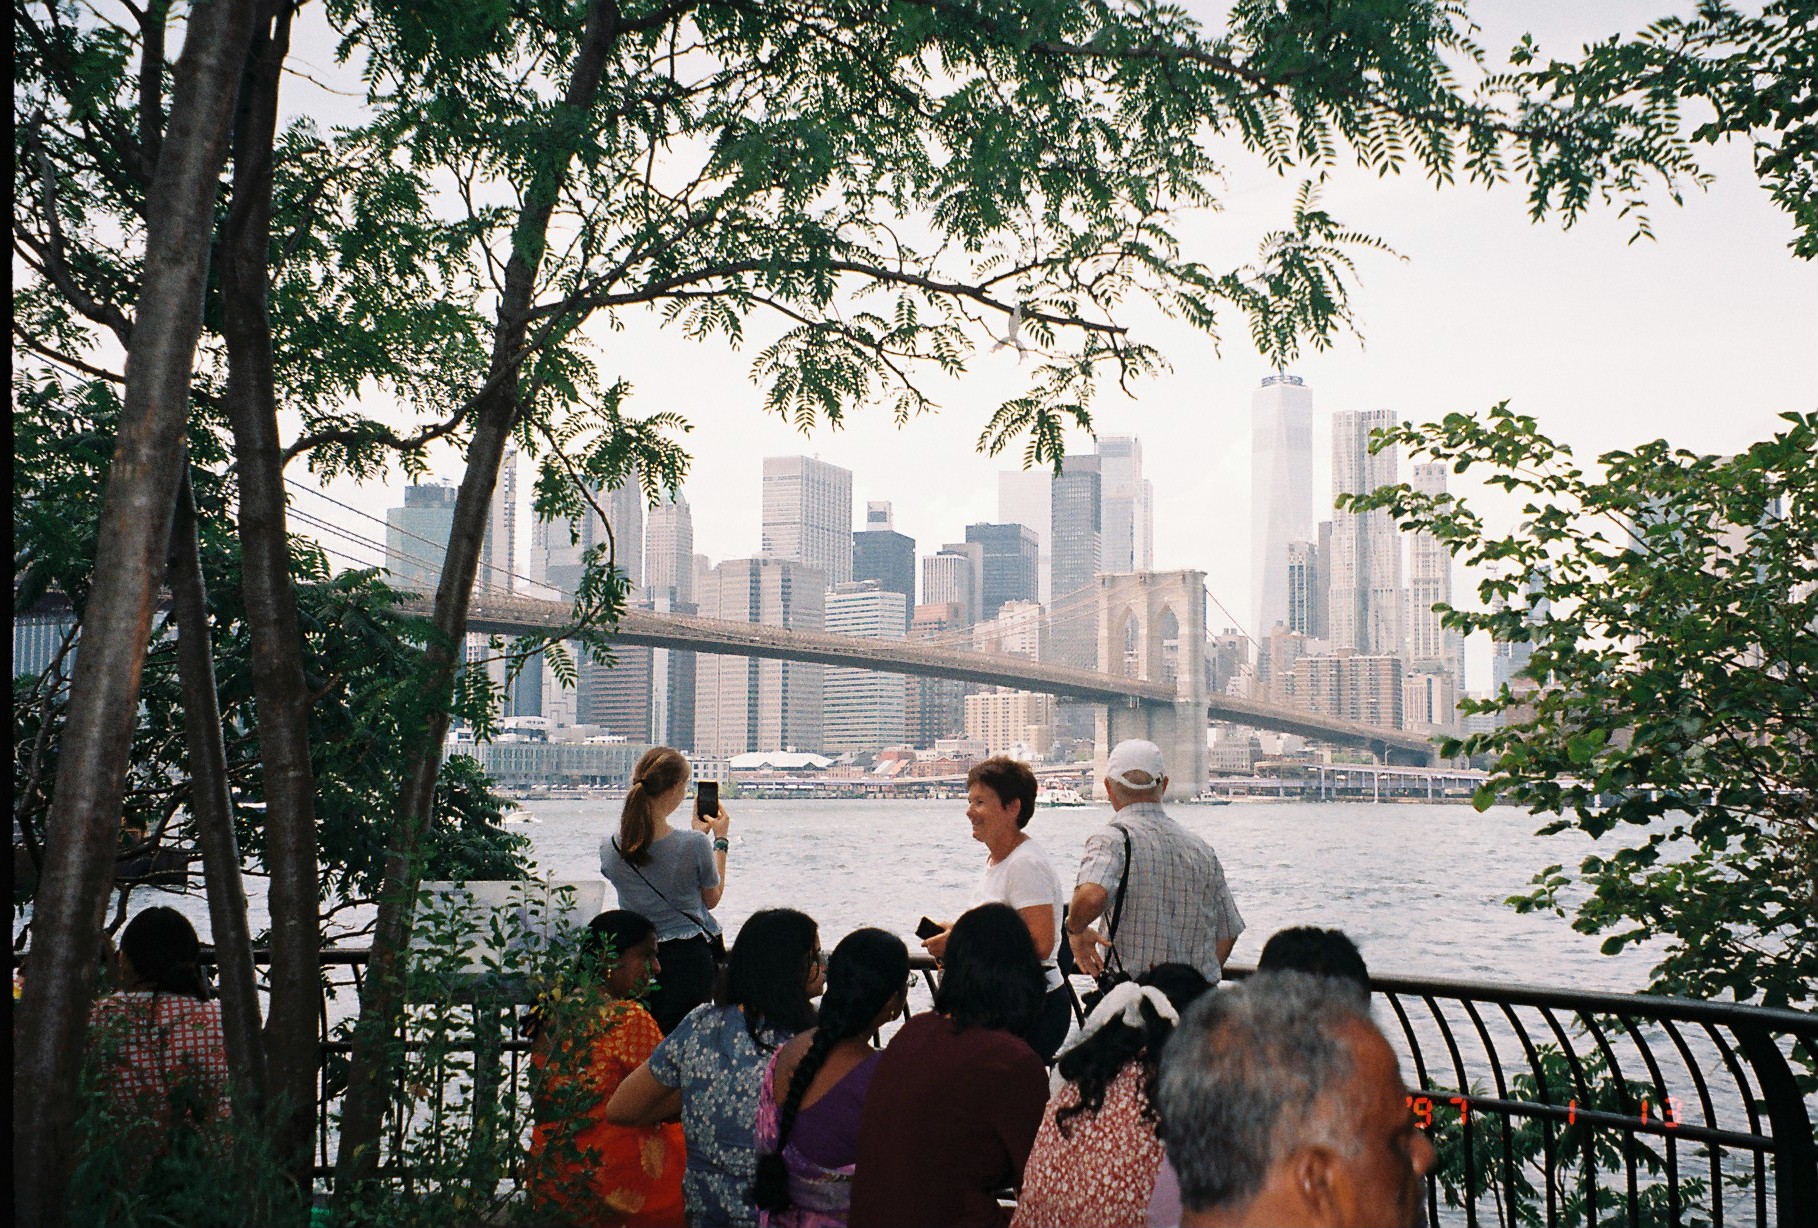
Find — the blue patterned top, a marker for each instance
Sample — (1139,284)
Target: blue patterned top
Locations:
(711,1058)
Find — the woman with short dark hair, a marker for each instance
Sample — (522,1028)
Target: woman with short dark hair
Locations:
(707,1071)
(956,1098)
(1097,1153)
(1000,801)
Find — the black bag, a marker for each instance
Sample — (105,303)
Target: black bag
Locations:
(1110,978)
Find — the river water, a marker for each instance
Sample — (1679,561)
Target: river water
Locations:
(1419,887)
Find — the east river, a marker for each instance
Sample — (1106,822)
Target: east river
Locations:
(1419,887)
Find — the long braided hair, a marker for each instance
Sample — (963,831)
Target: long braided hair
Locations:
(867,969)
(658,770)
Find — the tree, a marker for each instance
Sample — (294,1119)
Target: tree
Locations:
(189,154)
(1671,602)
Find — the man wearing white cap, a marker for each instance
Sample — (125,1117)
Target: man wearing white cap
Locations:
(1175,905)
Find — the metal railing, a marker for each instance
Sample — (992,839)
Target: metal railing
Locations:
(1543,1104)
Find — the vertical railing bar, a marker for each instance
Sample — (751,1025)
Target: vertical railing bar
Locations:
(1745,1091)
(1710,1118)
(1579,1084)
(1502,1093)
(1464,1112)
(1589,1020)
(1667,1114)
(1548,1142)
(1421,1080)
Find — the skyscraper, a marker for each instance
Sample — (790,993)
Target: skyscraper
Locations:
(1306,594)
(558,548)
(1129,506)
(937,706)
(1281,491)
(865,709)
(880,553)
(669,549)
(416,535)
(1430,645)
(746,704)
(951,578)
(498,549)
(1365,568)
(1012,570)
(1075,535)
(808,515)
(1026,497)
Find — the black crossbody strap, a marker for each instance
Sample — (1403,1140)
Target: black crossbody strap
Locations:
(705,932)
(1117,906)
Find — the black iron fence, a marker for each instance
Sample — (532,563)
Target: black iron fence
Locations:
(1547,1107)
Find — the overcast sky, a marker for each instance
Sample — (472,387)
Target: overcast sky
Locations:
(1701,335)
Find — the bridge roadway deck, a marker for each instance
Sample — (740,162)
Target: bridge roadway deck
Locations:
(493,613)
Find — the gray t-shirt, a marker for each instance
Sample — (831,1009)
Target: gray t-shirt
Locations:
(667,888)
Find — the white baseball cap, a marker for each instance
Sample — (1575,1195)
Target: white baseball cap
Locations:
(1135,758)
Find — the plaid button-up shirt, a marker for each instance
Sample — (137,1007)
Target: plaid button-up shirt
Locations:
(1177,908)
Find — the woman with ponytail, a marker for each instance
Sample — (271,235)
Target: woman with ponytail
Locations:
(587,1036)
(674,877)
(808,1140)
(158,1042)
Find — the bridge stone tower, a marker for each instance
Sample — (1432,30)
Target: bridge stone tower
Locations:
(1152,626)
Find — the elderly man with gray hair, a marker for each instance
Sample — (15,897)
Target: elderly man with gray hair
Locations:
(1283,1105)
(1157,889)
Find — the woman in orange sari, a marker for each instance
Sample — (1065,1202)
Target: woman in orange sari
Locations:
(585,1171)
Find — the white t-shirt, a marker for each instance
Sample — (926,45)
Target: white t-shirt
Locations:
(1025,879)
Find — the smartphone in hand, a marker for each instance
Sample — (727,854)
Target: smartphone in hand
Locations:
(707,799)
(928,929)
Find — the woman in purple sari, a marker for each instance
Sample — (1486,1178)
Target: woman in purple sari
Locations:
(807,1138)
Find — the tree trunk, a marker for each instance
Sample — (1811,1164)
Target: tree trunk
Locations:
(381,1001)
(84,821)
(211,807)
(279,688)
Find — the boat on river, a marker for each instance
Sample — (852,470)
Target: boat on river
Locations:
(1062,795)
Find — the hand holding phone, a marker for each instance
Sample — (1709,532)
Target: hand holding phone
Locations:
(928,929)
(707,799)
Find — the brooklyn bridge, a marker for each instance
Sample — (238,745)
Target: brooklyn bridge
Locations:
(1151,623)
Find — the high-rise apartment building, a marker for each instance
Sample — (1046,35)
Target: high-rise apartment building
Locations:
(1017,631)
(1281,492)
(1011,722)
(616,695)
(1026,497)
(808,515)
(1129,506)
(416,535)
(1352,686)
(669,549)
(865,709)
(1076,536)
(1430,645)
(1367,603)
(747,704)
(880,553)
(1012,565)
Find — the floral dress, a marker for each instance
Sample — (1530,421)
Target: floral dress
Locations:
(583,1168)
(711,1057)
(1103,1171)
